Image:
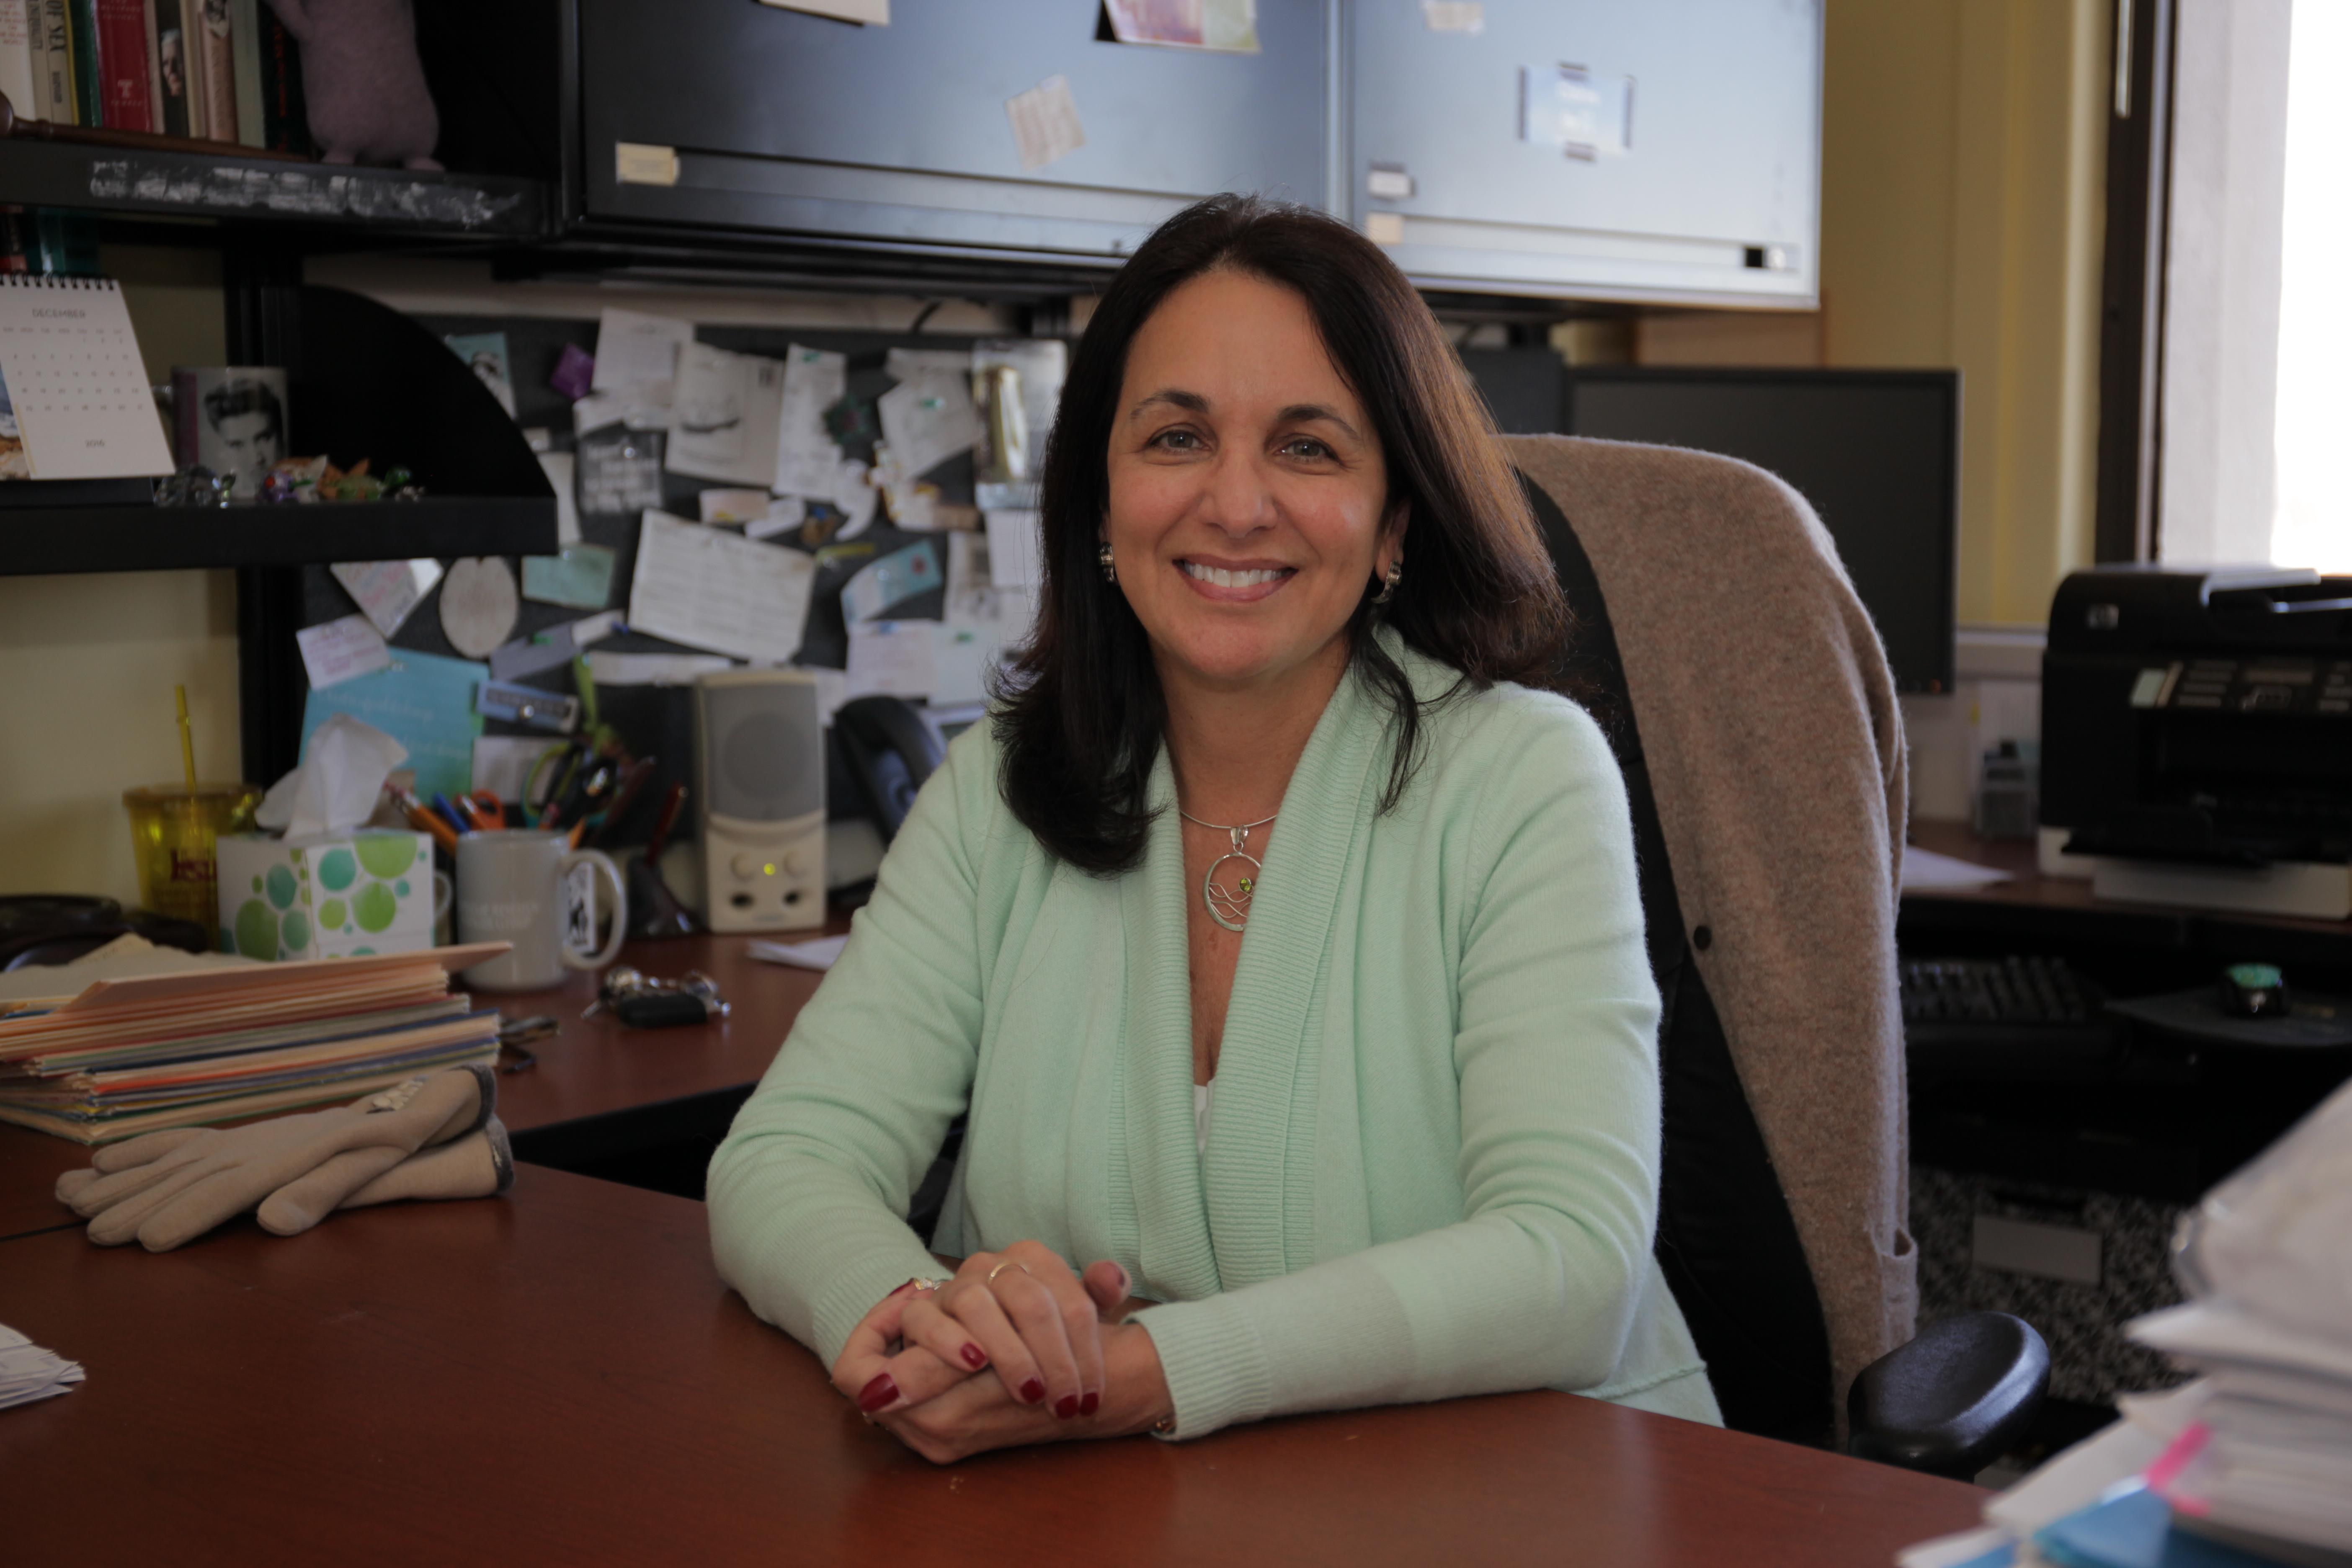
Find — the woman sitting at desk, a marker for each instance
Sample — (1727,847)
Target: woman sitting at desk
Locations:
(1278,934)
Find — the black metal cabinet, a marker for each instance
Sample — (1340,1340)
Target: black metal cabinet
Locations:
(898,137)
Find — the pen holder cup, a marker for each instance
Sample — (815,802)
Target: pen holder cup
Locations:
(173,831)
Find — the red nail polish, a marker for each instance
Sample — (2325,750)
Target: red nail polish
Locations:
(1089,1404)
(901,1289)
(974,1357)
(1032,1392)
(882,1391)
(1065,1406)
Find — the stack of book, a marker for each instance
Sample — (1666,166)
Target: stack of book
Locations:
(217,70)
(115,1058)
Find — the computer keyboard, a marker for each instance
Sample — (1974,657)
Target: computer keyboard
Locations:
(2002,1015)
(1994,991)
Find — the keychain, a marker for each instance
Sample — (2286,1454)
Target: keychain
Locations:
(643,1003)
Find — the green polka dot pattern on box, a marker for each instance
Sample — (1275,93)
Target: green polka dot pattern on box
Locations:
(386,857)
(337,871)
(257,931)
(296,928)
(280,887)
(334,915)
(374,906)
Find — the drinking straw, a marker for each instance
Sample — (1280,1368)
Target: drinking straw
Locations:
(187,738)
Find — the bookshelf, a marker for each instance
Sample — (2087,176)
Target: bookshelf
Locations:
(234,186)
(35,541)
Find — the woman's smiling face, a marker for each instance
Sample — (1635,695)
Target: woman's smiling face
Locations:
(1248,489)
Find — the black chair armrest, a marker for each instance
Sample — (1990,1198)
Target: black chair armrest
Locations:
(1953,1400)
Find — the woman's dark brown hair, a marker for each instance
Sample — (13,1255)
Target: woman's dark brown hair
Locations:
(1080,714)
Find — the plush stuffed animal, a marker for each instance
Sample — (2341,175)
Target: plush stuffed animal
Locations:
(366,90)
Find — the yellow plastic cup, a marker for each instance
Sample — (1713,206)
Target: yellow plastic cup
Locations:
(172,828)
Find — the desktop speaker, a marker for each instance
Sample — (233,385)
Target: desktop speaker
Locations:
(759,772)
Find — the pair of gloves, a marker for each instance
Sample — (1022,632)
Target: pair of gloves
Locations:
(430,1137)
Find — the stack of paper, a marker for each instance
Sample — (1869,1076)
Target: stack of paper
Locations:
(2267,1258)
(28,1373)
(115,1057)
(2251,1463)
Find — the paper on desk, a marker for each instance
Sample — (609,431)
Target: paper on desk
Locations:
(807,457)
(386,591)
(818,952)
(929,417)
(1925,871)
(28,1372)
(633,347)
(724,418)
(334,787)
(126,956)
(337,650)
(708,589)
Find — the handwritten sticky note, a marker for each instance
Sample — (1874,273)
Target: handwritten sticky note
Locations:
(339,650)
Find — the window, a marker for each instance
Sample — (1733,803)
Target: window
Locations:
(2311,518)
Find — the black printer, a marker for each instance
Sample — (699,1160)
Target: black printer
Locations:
(2200,715)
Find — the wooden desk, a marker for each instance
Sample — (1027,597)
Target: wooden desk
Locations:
(561,1377)
(2034,910)
(590,1079)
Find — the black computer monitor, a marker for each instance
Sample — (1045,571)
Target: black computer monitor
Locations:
(1877,453)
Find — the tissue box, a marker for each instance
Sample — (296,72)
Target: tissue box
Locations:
(333,897)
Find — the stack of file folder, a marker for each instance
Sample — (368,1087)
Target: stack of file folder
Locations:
(115,1058)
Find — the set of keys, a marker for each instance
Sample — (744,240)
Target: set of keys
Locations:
(643,1003)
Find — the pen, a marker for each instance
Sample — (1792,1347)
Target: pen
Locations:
(424,821)
(633,783)
(449,812)
(663,823)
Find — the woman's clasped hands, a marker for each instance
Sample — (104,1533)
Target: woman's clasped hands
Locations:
(1014,1349)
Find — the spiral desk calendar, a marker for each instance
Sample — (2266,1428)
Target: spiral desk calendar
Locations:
(76,404)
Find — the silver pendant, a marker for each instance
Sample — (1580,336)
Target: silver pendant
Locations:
(1231,910)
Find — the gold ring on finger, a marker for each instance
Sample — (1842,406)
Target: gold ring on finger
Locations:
(1008,1263)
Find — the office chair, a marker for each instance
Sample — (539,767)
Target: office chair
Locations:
(1954,1397)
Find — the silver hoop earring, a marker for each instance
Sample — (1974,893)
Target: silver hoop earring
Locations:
(1388,582)
(1110,566)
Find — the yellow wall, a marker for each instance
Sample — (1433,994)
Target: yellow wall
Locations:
(1963,171)
(88,664)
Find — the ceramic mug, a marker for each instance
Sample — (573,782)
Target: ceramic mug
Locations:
(513,886)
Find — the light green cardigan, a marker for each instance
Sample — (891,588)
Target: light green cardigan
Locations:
(1433,1168)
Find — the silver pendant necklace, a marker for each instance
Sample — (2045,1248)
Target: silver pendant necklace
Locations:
(1230,908)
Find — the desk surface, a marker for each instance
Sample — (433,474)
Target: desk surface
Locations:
(2029,893)
(594,1068)
(561,1377)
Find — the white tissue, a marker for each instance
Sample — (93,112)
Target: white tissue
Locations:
(335,788)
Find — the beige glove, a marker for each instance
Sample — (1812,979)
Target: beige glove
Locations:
(477,1166)
(170,1187)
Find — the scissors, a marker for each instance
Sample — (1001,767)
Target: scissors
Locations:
(483,810)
